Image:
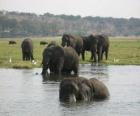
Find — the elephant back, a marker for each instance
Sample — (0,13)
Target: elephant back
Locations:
(71,57)
(69,51)
(99,89)
(88,42)
(27,45)
(103,40)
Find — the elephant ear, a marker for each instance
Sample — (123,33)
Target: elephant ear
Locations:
(90,85)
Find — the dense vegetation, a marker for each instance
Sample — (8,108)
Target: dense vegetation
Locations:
(13,24)
(122,51)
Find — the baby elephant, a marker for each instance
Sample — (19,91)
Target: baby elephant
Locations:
(81,89)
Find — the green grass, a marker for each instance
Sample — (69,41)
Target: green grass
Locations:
(123,51)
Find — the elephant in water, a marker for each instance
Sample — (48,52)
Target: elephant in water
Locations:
(82,89)
(60,60)
(27,49)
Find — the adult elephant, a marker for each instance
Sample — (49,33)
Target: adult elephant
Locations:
(81,89)
(98,45)
(27,49)
(11,42)
(89,44)
(102,46)
(75,42)
(60,60)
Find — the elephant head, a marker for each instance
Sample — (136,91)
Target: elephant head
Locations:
(68,90)
(53,58)
(69,40)
(65,40)
(74,89)
(75,42)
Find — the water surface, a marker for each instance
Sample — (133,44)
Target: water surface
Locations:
(23,93)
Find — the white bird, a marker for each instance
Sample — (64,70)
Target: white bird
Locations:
(34,62)
(116,60)
(10,60)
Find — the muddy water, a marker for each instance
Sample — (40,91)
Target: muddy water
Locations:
(23,93)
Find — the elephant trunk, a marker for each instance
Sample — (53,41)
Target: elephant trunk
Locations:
(69,98)
(45,66)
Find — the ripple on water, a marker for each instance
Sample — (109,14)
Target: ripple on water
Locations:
(24,93)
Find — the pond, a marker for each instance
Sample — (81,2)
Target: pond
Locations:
(23,93)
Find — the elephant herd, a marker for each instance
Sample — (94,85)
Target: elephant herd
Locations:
(96,44)
(64,60)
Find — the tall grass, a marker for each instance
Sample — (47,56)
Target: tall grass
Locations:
(122,51)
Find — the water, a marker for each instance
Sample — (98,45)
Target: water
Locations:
(23,93)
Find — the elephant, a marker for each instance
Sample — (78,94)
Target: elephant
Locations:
(27,49)
(75,42)
(60,60)
(98,45)
(89,44)
(11,42)
(43,42)
(82,89)
(102,46)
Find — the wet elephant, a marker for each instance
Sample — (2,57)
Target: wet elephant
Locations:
(27,49)
(75,42)
(82,89)
(60,60)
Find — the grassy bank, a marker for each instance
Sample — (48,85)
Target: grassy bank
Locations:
(124,51)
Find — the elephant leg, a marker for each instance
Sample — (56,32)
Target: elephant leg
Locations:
(99,53)
(93,55)
(32,58)
(91,58)
(102,55)
(95,58)
(44,70)
(106,53)
(83,55)
(23,56)
(28,56)
(78,53)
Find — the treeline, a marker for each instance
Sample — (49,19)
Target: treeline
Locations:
(14,24)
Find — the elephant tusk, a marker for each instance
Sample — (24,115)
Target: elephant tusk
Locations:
(72,98)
